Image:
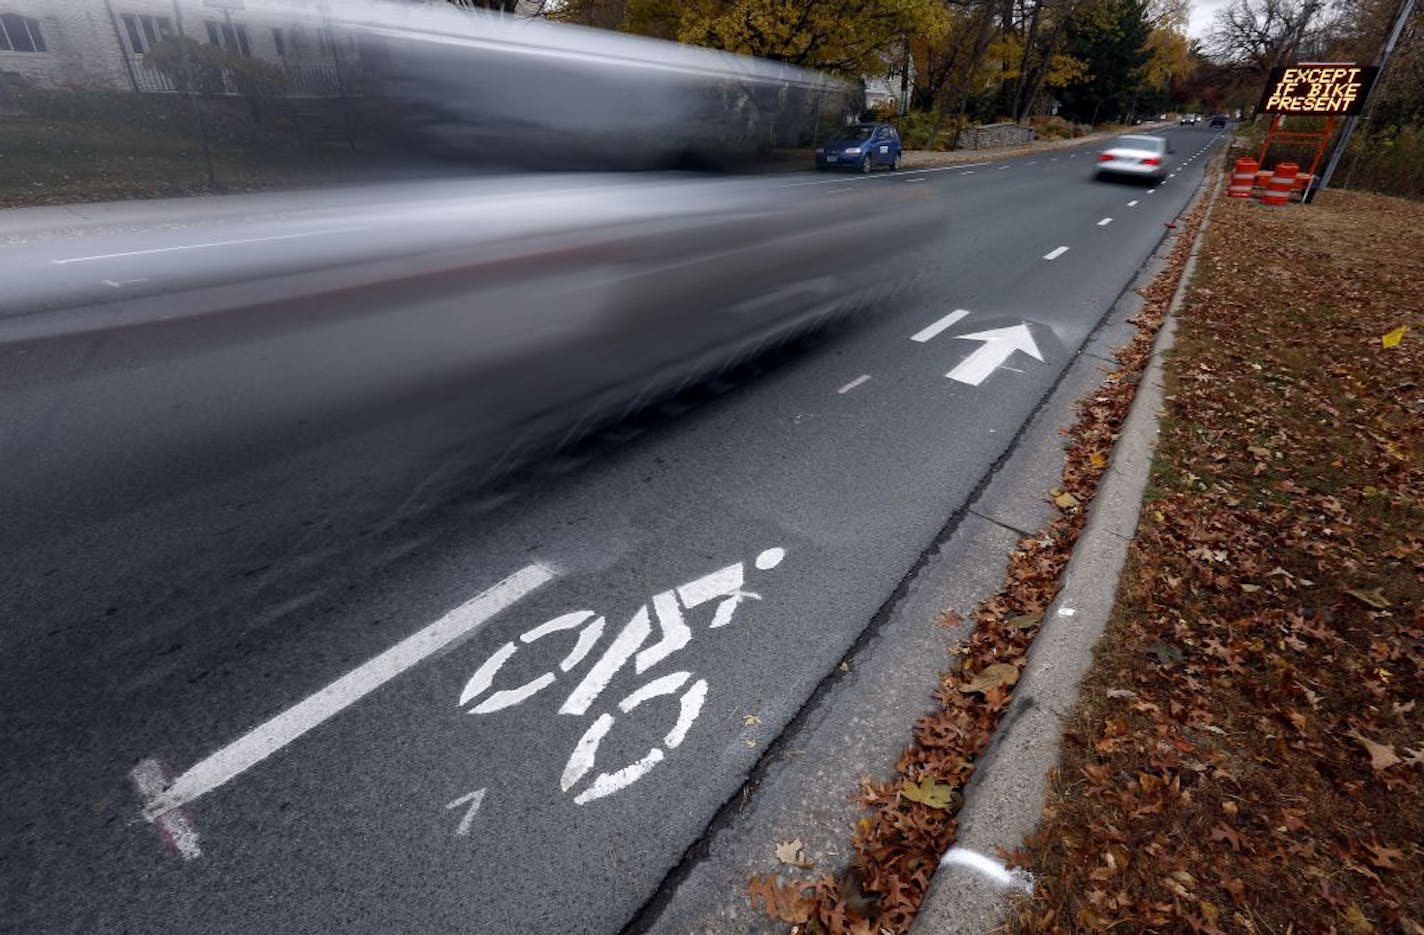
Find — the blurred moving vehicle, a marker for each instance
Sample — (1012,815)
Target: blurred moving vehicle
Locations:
(1218,121)
(1142,157)
(280,379)
(1188,119)
(204,96)
(861,146)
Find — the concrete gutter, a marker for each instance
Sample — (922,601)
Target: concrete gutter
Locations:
(1003,802)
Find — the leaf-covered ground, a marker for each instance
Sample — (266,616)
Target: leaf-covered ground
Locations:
(1248,751)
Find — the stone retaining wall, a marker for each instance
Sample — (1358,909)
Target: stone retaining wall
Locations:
(994,135)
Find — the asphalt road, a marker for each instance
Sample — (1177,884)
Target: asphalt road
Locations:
(356,758)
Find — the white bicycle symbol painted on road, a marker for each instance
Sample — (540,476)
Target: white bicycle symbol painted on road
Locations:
(726,586)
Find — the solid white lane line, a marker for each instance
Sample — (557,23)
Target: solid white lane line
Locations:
(1132,204)
(197,246)
(1105,222)
(1055,254)
(947,321)
(266,739)
(853,384)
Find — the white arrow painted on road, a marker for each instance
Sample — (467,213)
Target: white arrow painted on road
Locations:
(999,345)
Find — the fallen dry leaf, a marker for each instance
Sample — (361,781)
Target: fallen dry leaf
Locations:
(791,853)
(1382,756)
(927,792)
(1373,597)
(992,676)
(1386,858)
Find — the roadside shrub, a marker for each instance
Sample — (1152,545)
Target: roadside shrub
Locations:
(1053,128)
(1390,161)
(922,129)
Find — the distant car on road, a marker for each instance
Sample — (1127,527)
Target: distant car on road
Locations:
(1188,119)
(1143,157)
(861,146)
(1218,121)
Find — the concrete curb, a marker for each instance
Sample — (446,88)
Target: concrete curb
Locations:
(1004,800)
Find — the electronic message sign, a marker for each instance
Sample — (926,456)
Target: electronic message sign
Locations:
(1331,89)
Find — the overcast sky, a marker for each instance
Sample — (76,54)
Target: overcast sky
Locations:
(1203,14)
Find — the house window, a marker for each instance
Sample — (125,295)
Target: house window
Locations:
(20,34)
(146,31)
(229,36)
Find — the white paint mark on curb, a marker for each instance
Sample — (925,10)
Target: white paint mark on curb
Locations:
(266,739)
(1055,254)
(853,384)
(1010,879)
(1105,222)
(931,331)
(149,779)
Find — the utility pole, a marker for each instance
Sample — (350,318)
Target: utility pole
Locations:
(1349,129)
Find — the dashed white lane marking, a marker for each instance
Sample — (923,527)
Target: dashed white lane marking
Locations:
(1105,222)
(970,172)
(853,384)
(1002,168)
(832,191)
(948,321)
(266,739)
(1055,254)
(988,867)
(1132,204)
(913,181)
(1151,190)
(199,246)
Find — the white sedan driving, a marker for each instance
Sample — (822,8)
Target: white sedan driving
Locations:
(1143,157)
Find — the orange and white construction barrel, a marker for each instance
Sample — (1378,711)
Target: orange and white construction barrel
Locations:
(1278,189)
(1242,178)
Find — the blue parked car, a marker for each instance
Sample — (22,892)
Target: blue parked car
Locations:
(861,146)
